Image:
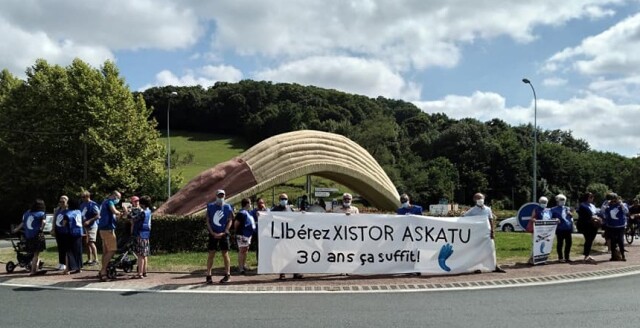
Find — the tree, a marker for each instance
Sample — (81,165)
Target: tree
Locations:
(61,115)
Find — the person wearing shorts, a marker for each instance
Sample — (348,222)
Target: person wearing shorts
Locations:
(219,217)
(244,225)
(107,227)
(90,215)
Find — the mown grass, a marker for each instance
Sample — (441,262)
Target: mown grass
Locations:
(511,247)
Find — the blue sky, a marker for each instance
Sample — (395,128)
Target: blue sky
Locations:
(465,58)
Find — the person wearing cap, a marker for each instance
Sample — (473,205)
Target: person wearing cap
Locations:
(562,213)
(90,213)
(480,209)
(346,207)
(406,208)
(283,206)
(219,219)
(615,221)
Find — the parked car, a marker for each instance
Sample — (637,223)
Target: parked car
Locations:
(509,225)
(48,223)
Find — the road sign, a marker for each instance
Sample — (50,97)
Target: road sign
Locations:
(322,194)
(326,190)
(524,214)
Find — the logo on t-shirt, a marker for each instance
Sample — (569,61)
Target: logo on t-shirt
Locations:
(219,215)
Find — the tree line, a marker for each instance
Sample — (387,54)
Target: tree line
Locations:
(429,156)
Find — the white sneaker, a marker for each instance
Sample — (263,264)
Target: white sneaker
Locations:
(61,267)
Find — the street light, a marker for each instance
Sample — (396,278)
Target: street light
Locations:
(535,138)
(171,95)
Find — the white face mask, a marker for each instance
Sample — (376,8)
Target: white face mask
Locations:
(346,203)
(284,202)
(543,205)
(480,202)
(562,202)
(219,200)
(405,205)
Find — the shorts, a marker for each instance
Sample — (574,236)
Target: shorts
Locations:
(142,247)
(243,241)
(35,244)
(92,235)
(221,244)
(108,240)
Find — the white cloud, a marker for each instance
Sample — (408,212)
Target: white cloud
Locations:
(614,51)
(205,76)
(59,31)
(404,34)
(554,82)
(354,75)
(604,124)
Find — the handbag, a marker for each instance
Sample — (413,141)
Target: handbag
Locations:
(596,222)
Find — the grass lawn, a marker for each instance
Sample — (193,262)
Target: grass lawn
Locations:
(511,247)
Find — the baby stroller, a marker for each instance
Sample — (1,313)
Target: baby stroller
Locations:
(124,260)
(22,256)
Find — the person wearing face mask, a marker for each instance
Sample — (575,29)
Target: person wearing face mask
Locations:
(562,213)
(283,206)
(60,231)
(542,212)
(245,226)
(406,208)
(588,224)
(106,227)
(480,209)
(346,205)
(219,219)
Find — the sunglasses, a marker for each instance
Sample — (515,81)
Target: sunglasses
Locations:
(284,198)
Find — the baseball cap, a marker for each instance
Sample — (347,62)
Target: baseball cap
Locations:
(135,199)
(220,191)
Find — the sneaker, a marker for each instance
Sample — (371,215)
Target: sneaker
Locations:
(209,281)
(562,261)
(225,278)
(144,274)
(61,267)
(86,263)
(243,272)
(499,269)
(92,263)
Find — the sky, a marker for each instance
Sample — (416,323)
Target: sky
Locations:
(464,58)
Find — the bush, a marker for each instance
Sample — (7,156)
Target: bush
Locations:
(173,233)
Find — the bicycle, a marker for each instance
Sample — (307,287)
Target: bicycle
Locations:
(632,230)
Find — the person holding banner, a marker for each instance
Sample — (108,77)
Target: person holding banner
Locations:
(346,205)
(283,206)
(543,232)
(407,208)
(562,213)
(480,209)
(260,209)
(219,218)
(615,221)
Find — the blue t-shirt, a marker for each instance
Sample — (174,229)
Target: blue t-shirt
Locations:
(89,210)
(142,225)
(59,226)
(247,223)
(107,219)
(414,210)
(615,216)
(74,223)
(32,223)
(564,216)
(218,216)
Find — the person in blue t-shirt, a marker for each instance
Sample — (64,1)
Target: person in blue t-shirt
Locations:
(106,227)
(33,222)
(615,221)
(73,222)
(60,231)
(219,219)
(406,208)
(562,213)
(90,214)
(141,230)
(244,226)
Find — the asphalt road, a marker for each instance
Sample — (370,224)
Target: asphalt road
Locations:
(603,303)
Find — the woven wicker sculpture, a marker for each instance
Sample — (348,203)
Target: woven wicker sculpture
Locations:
(284,157)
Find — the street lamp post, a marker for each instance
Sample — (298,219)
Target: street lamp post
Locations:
(171,95)
(535,139)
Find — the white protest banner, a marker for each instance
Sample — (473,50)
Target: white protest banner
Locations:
(544,232)
(373,243)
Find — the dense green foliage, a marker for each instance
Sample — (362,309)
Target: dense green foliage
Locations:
(60,116)
(429,156)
